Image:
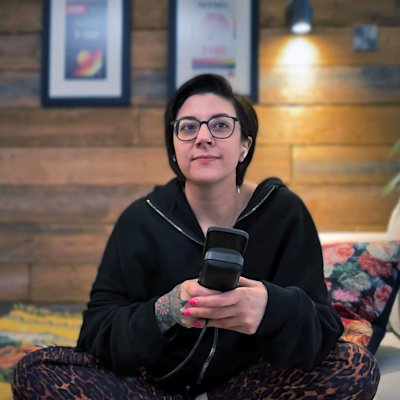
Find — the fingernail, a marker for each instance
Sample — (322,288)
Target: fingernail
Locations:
(188,313)
(197,325)
(192,302)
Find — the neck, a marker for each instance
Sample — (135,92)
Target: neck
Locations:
(214,205)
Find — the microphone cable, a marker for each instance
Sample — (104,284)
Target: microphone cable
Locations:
(183,363)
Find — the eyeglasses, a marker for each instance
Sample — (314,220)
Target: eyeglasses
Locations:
(187,129)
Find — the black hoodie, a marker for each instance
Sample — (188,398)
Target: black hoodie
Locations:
(157,243)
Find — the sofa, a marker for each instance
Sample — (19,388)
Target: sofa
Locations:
(388,353)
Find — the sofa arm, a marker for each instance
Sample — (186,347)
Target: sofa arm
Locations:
(394,319)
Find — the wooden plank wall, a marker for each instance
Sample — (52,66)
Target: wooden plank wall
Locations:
(328,117)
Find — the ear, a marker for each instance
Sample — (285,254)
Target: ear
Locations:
(245,147)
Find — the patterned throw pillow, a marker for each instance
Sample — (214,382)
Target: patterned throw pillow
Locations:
(363,279)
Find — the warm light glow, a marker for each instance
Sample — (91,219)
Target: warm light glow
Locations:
(295,62)
(301,27)
(298,51)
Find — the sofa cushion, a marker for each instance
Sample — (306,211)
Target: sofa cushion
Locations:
(363,279)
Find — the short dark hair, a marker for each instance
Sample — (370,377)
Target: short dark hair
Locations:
(215,84)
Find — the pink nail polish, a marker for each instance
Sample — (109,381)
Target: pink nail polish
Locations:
(188,313)
(192,302)
(197,325)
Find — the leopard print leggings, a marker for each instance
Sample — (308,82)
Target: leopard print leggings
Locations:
(348,372)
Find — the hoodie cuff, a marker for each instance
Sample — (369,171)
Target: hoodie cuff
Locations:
(145,329)
(279,307)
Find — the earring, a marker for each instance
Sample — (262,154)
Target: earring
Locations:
(244,152)
(173,157)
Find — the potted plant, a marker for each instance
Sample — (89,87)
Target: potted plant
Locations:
(394,222)
(394,234)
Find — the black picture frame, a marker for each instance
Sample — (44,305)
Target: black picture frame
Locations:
(252,72)
(111,89)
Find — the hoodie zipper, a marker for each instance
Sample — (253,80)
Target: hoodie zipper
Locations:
(214,345)
(215,341)
(174,225)
(257,205)
(148,201)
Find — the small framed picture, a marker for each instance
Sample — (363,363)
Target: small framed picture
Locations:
(218,37)
(365,37)
(86,53)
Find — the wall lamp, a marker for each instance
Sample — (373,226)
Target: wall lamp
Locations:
(298,15)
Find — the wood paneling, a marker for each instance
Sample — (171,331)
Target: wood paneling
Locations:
(59,245)
(66,204)
(149,87)
(325,46)
(53,245)
(270,161)
(19,89)
(93,166)
(96,166)
(153,14)
(358,125)
(63,283)
(278,47)
(21,16)
(22,89)
(149,49)
(23,52)
(344,207)
(330,85)
(335,13)
(80,127)
(149,14)
(328,117)
(366,228)
(343,164)
(102,205)
(151,127)
(285,85)
(343,227)
(19,52)
(14,282)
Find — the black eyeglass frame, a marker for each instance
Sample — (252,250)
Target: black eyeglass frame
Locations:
(175,124)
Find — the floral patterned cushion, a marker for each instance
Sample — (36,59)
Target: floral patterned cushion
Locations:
(363,279)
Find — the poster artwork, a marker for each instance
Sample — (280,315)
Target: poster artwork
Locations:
(214,37)
(86,35)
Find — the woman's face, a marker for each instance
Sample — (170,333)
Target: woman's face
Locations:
(207,160)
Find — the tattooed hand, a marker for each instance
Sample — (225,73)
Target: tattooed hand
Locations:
(170,308)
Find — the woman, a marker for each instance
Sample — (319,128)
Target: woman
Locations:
(275,336)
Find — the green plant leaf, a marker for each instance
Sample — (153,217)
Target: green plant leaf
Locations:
(392,184)
(395,181)
(395,148)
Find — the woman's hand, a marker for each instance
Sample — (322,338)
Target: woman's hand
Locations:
(170,308)
(239,310)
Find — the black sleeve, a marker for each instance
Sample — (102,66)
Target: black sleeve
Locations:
(120,331)
(300,326)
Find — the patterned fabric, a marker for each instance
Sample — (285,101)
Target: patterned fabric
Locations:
(40,326)
(348,372)
(24,328)
(363,279)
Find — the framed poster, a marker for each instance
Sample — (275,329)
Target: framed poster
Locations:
(86,52)
(219,37)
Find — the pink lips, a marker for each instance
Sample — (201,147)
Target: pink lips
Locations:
(205,159)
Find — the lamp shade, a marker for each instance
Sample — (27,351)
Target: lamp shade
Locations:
(298,16)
